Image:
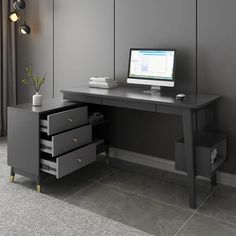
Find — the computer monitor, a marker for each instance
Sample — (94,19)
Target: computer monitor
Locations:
(153,67)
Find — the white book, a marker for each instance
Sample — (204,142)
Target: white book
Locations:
(101,79)
(103,83)
(93,84)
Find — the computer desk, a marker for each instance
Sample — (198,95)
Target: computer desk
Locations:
(134,98)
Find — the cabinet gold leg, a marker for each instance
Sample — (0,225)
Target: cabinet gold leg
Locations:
(38,188)
(12,178)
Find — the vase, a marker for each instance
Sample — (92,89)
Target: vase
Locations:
(37,100)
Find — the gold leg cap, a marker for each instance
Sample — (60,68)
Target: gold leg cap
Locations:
(12,178)
(38,188)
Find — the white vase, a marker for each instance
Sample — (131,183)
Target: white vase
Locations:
(37,100)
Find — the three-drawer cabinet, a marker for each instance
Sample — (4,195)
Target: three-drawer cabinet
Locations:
(55,138)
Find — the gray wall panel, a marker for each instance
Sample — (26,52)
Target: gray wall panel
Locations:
(36,49)
(160,24)
(83,41)
(217,37)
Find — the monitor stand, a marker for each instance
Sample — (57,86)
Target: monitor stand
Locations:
(153,90)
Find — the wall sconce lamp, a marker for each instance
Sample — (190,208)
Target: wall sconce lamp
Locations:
(14,16)
(19,4)
(24,29)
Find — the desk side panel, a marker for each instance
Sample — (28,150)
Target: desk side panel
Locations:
(23,140)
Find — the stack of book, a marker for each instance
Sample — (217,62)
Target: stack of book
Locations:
(102,82)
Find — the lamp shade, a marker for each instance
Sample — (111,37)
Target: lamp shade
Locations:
(24,29)
(19,4)
(14,16)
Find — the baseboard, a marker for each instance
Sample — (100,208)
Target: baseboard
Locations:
(164,164)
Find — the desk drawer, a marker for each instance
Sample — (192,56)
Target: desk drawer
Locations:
(67,141)
(129,104)
(62,121)
(70,162)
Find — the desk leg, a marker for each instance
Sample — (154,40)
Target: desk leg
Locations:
(107,154)
(189,155)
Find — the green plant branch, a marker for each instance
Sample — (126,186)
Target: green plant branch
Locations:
(35,81)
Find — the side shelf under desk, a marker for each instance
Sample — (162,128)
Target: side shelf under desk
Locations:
(133,98)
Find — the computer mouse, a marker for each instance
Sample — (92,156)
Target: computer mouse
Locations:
(180,96)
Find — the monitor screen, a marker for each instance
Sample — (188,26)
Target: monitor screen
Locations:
(152,64)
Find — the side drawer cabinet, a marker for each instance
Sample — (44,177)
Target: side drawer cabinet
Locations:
(54,138)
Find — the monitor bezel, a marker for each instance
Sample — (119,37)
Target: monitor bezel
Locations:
(152,49)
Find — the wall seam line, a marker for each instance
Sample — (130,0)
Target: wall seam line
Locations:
(114,40)
(53,51)
(196,82)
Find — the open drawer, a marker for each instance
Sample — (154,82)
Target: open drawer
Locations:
(62,121)
(70,162)
(67,141)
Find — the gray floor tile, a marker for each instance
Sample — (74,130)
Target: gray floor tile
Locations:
(204,226)
(70,184)
(154,188)
(221,205)
(130,209)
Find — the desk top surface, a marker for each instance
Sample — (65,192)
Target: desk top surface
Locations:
(136,94)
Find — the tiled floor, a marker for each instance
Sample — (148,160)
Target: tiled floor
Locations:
(153,201)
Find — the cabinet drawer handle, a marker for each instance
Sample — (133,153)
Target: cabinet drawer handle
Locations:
(75,140)
(79,160)
(70,120)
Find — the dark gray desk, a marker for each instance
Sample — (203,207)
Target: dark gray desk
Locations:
(133,98)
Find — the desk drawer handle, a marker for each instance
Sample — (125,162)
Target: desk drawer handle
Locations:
(75,139)
(79,160)
(70,120)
